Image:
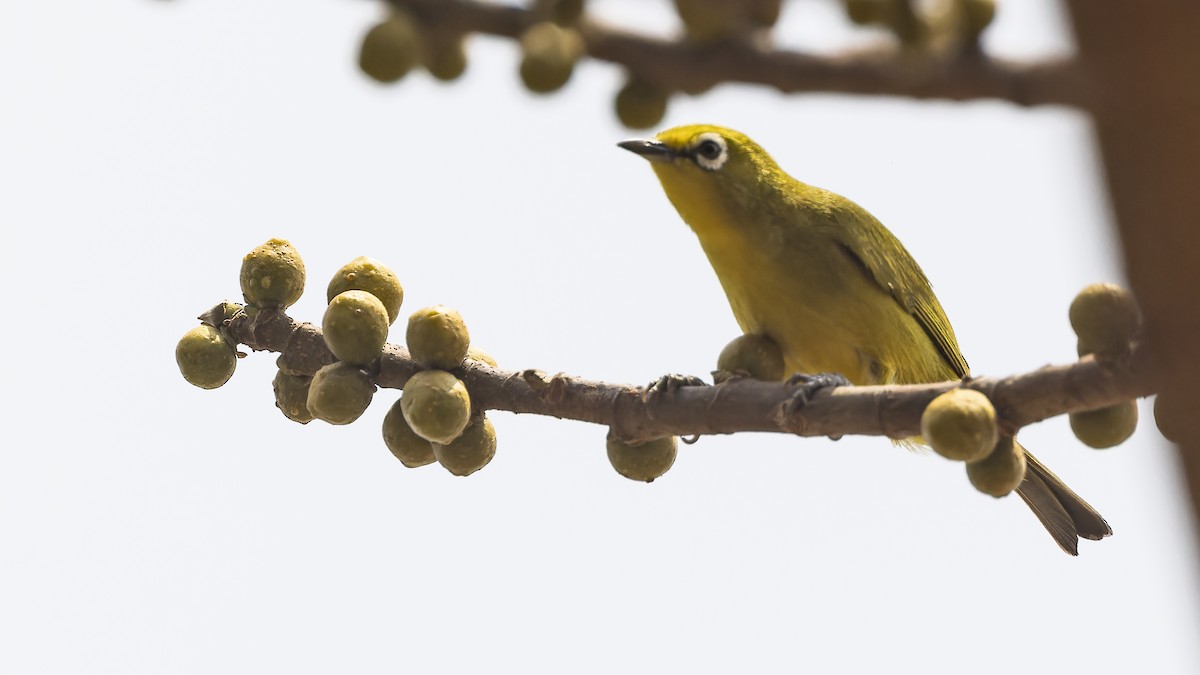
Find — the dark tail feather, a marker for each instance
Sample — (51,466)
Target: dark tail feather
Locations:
(1062,512)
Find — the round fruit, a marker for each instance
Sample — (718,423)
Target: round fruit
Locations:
(446,57)
(436,405)
(978,15)
(355,327)
(1105,317)
(755,355)
(272,275)
(641,105)
(1001,472)
(1169,417)
(865,12)
(437,337)
(476,354)
(291,396)
(469,452)
(390,49)
(339,393)
(548,56)
(643,462)
(372,276)
(405,444)
(205,358)
(960,425)
(1105,427)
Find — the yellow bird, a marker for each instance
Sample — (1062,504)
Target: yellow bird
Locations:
(826,281)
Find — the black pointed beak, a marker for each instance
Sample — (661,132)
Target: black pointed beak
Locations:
(654,151)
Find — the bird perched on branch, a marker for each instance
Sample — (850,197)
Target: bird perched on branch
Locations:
(827,282)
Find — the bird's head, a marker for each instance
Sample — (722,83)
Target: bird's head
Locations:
(706,169)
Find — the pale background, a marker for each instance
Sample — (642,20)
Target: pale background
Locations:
(147,526)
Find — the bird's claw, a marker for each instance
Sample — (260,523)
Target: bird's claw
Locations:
(669,383)
(807,385)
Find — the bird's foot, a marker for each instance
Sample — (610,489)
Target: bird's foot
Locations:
(669,383)
(807,385)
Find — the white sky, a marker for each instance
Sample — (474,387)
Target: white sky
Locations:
(151,527)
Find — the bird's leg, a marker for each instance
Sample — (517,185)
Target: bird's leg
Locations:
(807,385)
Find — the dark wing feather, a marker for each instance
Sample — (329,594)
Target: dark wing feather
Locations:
(881,256)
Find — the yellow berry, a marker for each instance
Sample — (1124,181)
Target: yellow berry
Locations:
(272,275)
(711,20)
(548,56)
(1170,417)
(291,396)
(640,105)
(355,327)
(643,462)
(372,276)
(960,424)
(1001,472)
(865,12)
(476,354)
(436,405)
(755,355)
(446,57)
(205,358)
(437,337)
(412,450)
(390,48)
(1105,317)
(978,15)
(339,393)
(1105,427)
(471,451)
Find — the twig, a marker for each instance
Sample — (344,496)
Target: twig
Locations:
(739,405)
(682,65)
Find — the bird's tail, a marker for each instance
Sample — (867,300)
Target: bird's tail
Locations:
(1062,512)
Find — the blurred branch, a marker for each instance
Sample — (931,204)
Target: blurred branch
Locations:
(741,404)
(1147,120)
(682,65)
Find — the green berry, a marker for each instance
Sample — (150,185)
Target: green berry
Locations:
(476,354)
(640,105)
(1170,417)
(1105,317)
(960,425)
(978,15)
(755,355)
(1105,427)
(372,276)
(548,56)
(272,275)
(340,393)
(643,462)
(446,57)
(436,405)
(291,396)
(1001,472)
(412,450)
(205,357)
(469,452)
(437,337)
(390,49)
(355,327)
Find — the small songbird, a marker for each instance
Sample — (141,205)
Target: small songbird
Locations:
(828,283)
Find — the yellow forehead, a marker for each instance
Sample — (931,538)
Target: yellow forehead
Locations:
(685,136)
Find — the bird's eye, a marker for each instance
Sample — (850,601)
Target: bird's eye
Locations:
(710,152)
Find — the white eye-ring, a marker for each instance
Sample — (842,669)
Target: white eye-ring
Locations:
(710,151)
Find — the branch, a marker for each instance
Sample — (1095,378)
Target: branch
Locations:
(688,66)
(740,404)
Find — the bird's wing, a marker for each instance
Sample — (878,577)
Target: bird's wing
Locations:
(886,262)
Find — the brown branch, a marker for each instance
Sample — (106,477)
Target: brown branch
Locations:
(741,404)
(682,65)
